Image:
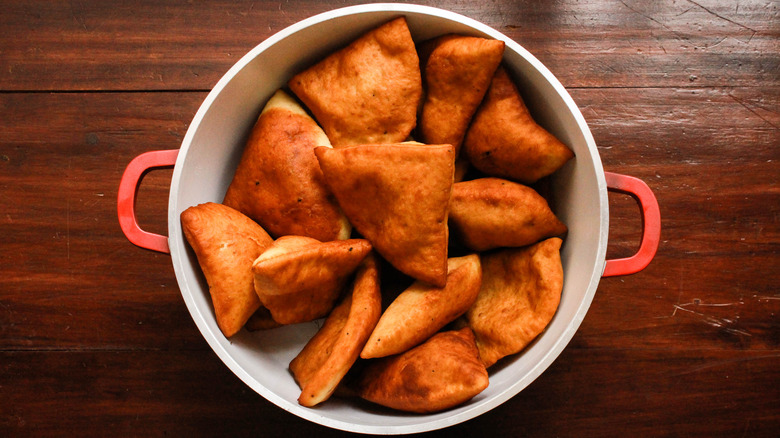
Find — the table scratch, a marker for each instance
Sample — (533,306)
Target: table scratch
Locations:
(721,323)
(724,362)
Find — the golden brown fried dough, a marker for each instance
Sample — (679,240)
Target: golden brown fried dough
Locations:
(367,92)
(261,320)
(457,75)
(504,140)
(226,243)
(442,373)
(278,182)
(488,213)
(422,309)
(299,278)
(461,168)
(327,357)
(397,196)
(521,289)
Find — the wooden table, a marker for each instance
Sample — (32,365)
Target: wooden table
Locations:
(95,338)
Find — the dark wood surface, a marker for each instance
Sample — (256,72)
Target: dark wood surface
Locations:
(95,339)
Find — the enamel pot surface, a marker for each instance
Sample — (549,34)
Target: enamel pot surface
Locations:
(209,154)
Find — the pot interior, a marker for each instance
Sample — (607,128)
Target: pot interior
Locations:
(210,154)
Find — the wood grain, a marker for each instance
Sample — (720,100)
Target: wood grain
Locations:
(649,392)
(94,335)
(69,277)
(174,45)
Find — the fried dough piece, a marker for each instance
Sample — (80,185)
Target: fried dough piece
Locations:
(504,140)
(488,213)
(327,357)
(521,290)
(397,196)
(442,373)
(226,243)
(461,168)
(261,320)
(457,75)
(367,92)
(299,278)
(278,182)
(422,309)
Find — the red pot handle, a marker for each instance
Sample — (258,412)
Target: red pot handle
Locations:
(128,190)
(651,225)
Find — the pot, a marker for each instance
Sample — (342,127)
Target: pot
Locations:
(210,152)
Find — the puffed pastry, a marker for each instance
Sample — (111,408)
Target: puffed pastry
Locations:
(505,141)
(367,92)
(278,181)
(397,196)
(226,243)
(299,279)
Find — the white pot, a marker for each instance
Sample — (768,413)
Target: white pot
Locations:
(212,147)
